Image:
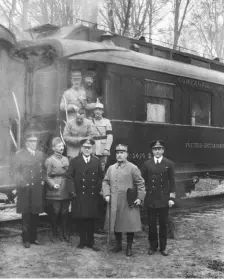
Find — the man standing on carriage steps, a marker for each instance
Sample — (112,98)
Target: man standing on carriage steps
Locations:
(158,173)
(102,134)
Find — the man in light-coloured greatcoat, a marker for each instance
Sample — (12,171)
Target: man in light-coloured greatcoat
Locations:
(118,179)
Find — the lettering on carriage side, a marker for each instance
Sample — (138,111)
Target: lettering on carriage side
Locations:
(139,156)
(203,145)
(195,83)
(220,88)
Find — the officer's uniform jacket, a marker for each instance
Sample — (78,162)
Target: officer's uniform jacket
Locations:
(29,170)
(115,184)
(73,97)
(159,182)
(102,134)
(85,180)
(74,133)
(56,169)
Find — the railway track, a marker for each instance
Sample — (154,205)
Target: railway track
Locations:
(185,209)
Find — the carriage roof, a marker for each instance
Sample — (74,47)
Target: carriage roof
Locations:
(7,35)
(109,53)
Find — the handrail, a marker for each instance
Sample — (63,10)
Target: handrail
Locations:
(19,122)
(65,102)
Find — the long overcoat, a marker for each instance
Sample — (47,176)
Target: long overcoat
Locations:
(84,179)
(159,182)
(116,182)
(29,178)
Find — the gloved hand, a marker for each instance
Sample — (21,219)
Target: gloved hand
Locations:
(56,186)
(171,203)
(72,195)
(107,199)
(137,202)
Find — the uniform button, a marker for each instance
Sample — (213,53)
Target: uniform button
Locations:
(83,179)
(93,173)
(83,193)
(32,183)
(92,193)
(83,186)
(152,180)
(92,179)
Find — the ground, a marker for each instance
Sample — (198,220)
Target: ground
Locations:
(196,252)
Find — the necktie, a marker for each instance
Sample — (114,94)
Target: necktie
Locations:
(157,162)
(87,160)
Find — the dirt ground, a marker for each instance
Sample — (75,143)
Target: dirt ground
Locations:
(196,252)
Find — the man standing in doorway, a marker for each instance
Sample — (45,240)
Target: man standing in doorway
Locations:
(30,177)
(74,98)
(102,134)
(118,179)
(84,177)
(158,173)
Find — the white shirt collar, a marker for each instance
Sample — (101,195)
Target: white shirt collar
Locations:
(31,151)
(158,159)
(86,159)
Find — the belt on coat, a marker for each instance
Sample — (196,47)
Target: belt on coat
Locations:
(100,137)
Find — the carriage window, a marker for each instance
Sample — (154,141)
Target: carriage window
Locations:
(201,108)
(158,101)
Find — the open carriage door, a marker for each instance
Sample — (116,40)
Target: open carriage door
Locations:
(12,79)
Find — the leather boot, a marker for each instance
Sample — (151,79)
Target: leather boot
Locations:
(118,246)
(129,249)
(64,227)
(54,228)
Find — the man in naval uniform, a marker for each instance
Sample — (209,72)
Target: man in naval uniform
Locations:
(74,98)
(75,130)
(85,176)
(158,173)
(57,191)
(102,134)
(30,177)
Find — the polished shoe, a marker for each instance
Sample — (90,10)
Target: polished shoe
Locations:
(129,250)
(117,248)
(36,242)
(164,252)
(26,244)
(151,251)
(80,246)
(94,248)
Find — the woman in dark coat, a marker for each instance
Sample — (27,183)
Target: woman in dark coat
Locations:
(85,176)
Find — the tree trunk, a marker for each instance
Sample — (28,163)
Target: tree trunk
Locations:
(11,14)
(127,18)
(24,14)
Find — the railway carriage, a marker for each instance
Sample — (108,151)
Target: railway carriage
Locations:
(146,97)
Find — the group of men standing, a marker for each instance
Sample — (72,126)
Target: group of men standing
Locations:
(81,178)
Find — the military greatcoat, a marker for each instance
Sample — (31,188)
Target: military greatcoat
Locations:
(29,177)
(116,182)
(74,133)
(159,182)
(86,183)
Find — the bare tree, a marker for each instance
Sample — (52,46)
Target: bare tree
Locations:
(179,17)
(208,22)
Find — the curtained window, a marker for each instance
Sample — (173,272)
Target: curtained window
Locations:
(158,96)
